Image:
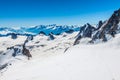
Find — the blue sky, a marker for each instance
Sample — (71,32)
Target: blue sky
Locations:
(19,13)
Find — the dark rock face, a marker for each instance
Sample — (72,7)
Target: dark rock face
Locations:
(43,33)
(109,27)
(26,52)
(16,50)
(13,36)
(99,25)
(77,41)
(69,31)
(51,37)
(3,66)
(85,31)
(19,49)
(30,37)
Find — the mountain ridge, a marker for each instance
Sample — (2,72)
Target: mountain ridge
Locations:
(55,39)
(47,29)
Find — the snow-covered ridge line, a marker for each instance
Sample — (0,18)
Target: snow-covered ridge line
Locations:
(104,30)
(55,29)
(80,61)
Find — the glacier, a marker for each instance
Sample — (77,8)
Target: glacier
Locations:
(55,52)
(83,61)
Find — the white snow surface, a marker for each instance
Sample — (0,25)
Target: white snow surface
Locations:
(80,62)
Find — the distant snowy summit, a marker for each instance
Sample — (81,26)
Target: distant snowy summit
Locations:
(46,29)
(102,31)
(53,39)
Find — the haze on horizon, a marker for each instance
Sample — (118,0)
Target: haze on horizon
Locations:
(19,13)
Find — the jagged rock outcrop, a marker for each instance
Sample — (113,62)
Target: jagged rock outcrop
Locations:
(100,23)
(29,38)
(85,31)
(51,37)
(43,33)
(109,27)
(17,49)
(26,52)
(69,31)
(6,57)
(21,49)
(4,66)
(13,36)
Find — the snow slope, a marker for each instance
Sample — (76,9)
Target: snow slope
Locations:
(80,62)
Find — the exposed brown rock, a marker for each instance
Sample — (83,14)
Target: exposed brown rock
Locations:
(26,52)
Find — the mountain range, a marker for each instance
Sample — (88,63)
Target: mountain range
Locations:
(71,51)
(46,29)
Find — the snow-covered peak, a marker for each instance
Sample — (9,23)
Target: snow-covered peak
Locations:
(47,29)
